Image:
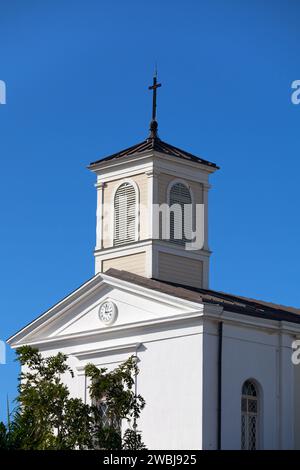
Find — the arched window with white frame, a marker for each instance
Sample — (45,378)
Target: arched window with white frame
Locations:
(180,199)
(250,409)
(125,214)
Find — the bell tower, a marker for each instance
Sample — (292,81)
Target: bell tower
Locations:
(135,188)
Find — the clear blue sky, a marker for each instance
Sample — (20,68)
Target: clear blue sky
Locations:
(77,74)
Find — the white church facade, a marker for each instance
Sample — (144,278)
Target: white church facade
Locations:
(215,369)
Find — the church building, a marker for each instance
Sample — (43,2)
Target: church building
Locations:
(216,369)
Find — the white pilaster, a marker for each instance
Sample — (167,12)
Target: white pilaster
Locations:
(152,199)
(206,188)
(99,227)
(286,393)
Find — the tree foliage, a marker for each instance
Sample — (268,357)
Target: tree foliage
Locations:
(46,417)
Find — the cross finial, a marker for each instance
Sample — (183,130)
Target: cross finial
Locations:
(153,124)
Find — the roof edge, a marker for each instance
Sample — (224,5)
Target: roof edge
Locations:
(154,144)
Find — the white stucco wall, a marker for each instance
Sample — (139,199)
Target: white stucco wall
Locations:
(170,380)
(249,353)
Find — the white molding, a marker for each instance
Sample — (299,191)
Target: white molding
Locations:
(205,311)
(142,245)
(116,165)
(186,169)
(127,249)
(103,166)
(98,282)
(100,185)
(177,250)
(75,298)
(114,331)
(153,190)
(87,354)
(184,162)
(126,170)
(246,320)
(191,311)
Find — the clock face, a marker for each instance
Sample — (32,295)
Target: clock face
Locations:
(108,312)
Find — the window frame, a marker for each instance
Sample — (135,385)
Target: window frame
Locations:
(169,189)
(137,213)
(248,414)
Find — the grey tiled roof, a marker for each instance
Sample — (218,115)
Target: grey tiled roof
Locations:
(232,303)
(159,146)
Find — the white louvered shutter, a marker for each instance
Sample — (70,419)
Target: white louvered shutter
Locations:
(181,196)
(125,214)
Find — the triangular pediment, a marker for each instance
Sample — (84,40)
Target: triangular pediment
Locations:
(78,314)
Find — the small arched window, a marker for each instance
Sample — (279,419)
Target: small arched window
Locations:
(125,214)
(181,217)
(250,416)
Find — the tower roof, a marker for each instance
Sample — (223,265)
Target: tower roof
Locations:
(153,142)
(157,145)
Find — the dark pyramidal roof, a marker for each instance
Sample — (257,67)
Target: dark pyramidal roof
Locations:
(154,143)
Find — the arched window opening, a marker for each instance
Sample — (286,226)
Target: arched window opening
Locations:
(181,214)
(106,418)
(107,422)
(250,416)
(125,217)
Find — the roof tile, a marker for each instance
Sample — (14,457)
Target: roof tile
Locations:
(159,146)
(244,305)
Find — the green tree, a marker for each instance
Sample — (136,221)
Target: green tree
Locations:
(3,437)
(114,390)
(47,417)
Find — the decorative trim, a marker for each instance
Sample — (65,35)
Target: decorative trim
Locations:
(153,190)
(80,294)
(99,215)
(134,158)
(84,354)
(120,248)
(169,247)
(192,311)
(75,297)
(114,331)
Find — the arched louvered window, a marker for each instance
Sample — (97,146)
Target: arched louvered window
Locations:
(181,217)
(250,416)
(125,214)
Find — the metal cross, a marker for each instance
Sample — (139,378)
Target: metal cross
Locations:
(154,88)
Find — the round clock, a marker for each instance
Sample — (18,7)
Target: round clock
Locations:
(108,312)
